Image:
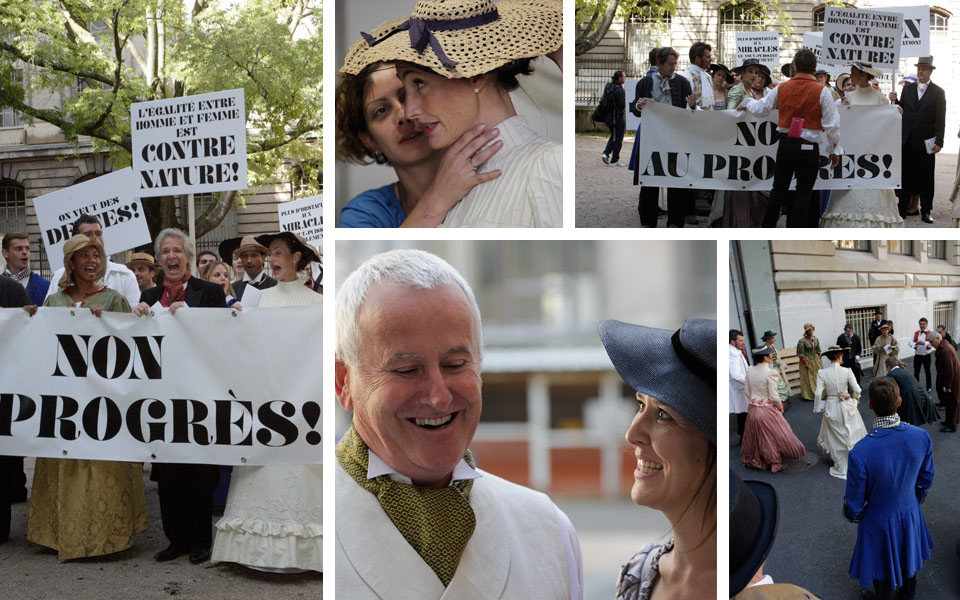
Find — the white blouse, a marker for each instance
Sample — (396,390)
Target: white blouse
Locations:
(528,193)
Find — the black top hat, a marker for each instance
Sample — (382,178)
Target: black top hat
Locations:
(768,335)
(678,368)
(754,514)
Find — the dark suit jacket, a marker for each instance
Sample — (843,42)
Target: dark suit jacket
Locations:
(12,293)
(916,408)
(199,293)
(874,331)
(239,286)
(679,90)
(923,118)
(856,349)
(948,370)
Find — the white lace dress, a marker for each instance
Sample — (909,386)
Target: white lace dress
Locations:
(274,514)
(862,208)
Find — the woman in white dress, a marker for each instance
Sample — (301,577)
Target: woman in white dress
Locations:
(273,520)
(837,397)
(458,73)
(862,208)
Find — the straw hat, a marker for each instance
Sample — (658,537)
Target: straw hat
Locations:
(72,246)
(807,327)
(141,258)
(462,38)
(866,67)
(308,253)
(833,350)
(842,80)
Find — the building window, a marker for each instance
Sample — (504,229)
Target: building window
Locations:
(644,32)
(945,313)
(740,17)
(904,247)
(13,206)
(8,116)
(819,13)
(858,245)
(937,249)
(860,319)
(939,23)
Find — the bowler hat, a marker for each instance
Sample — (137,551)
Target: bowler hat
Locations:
(678,368)
(754,514)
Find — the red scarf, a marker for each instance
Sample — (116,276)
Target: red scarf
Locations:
(174,291)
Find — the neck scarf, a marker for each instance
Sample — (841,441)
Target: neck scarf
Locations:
(888,422)
(436,523)
(174,291)
(661,89)
(21,277)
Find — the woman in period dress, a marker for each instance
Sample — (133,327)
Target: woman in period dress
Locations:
(722,80)
(768,441)
(79,507)
(862,208)
(673,436)
(885,346)
(808,350)
(273,520)
(837,397)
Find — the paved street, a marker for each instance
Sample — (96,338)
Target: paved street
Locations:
(814,542)
(606,196)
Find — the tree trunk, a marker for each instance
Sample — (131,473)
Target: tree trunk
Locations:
(594,31)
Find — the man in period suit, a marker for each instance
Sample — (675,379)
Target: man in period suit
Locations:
(666,87)
(948,381)
(916,407)
(923,350)
(252,254)
(186,491)
(12,480)
(924,106)
(16,252)
(874,332)
(888,474)
(853,348)
(415,518)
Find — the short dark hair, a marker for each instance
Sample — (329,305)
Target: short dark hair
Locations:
(734,334)
(924,319)
(210,252)
(697,50)
(654,54)
(12,236)
(85,219)
(664,53)
(616,75)
(884,396)
(805,61)
(848,326)
(893,361)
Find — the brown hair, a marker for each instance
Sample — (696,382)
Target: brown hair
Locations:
(884,395)
(14,235)
(350,119)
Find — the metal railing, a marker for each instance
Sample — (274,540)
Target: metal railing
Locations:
(860,319)
(945,313)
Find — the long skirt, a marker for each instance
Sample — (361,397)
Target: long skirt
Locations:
(841,428)
(768,440)
(808,378)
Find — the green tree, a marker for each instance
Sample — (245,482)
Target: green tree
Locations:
(100,56)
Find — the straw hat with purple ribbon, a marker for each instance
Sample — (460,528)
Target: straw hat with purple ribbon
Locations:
(462,38)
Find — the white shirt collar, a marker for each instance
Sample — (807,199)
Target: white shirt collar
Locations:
(259,278)
(377,467)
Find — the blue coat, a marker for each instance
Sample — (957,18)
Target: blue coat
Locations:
(37,289)
(888,474)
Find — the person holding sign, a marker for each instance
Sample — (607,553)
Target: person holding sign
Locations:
(807,114)
(78,507)
(924,107)
(855,207)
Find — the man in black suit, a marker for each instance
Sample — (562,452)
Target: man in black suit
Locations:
(874,332)
(186,491)
(916,407)
(12,295)
(924,106)
(850,342)
(665,87)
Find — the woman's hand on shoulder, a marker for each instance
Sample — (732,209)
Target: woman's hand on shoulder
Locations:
(456,176)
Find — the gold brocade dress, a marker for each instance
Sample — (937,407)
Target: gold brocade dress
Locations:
(80,507)
(810,350)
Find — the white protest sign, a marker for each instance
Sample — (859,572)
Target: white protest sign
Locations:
(303,217)
(184,388)
(916,29)
(761,45)
(109,197)
(731,150)
(851,34)
(813,40)
(190,145)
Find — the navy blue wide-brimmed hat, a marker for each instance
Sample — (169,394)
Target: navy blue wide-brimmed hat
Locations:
(678,368)
(763,351)
(754,515)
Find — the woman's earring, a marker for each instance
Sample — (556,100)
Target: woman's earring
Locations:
(476,90)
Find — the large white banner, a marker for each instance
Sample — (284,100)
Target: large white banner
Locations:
(731,150)
(303,217)
(851,34)
(761,45)
(916,29)
(190,145)
(109,197)
(202,386)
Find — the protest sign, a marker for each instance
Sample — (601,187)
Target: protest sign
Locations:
(761,45)
(851,34)
(916,29)
(303,217)
(730,150)
(202,386)
(109,197)
(813,40)
(190,145)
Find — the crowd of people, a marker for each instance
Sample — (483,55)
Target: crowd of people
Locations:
(804,96)
(272,517)
(893,540)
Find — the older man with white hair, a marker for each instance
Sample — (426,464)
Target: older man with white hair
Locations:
(415,518)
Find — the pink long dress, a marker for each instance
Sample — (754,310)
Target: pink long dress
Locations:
(768,440)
